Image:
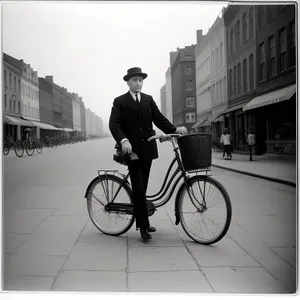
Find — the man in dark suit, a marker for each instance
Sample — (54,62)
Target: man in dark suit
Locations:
(130,123)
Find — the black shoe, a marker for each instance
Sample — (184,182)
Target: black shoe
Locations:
(145,235)
(151,229)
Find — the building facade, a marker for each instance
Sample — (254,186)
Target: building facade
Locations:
(183,87)
(76,113)
(163,103)
(169,109)
(273,110)
(82,118)
(240,23)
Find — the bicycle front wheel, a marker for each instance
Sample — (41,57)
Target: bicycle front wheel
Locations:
(29,147)
(38,146)
(19,148)
(6,148)
(205,220)
(102,190)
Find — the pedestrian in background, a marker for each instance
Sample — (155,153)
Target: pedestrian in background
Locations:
(222,143)
(227,142)
(251,142)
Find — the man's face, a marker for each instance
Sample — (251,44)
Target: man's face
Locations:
(135,84)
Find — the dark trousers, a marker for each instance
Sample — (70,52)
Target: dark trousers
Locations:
(228,150)
(250,151)
(139,175)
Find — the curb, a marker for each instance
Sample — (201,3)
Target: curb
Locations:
(286,182)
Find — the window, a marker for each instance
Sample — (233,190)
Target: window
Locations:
(231,41)
(190,101)
(188,118)
(261,16)
(14,106)
(271,55)
(238,34)
(293,48)
(230,83)
(282,47)
(221,52)
(245,75)
(251,24)
(189,85)
(5,101)
(234,82)
(187,55)
(188,70)
(262,61)
(192,117)
(217,93)
(271,12)
(251,71)
(19,107)
(15,83)
(221,90)
(245,27)
(10,81)
(4,78)
(10,108)
(239,78)
(217,57)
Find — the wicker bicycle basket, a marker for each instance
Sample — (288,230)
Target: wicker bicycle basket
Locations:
(195,151)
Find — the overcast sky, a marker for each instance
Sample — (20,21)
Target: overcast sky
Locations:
(88,47)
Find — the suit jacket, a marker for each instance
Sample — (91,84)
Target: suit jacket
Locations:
(133,121)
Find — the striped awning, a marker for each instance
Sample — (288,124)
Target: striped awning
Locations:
(207,122)
(271,98)
(17,121)
(44,125)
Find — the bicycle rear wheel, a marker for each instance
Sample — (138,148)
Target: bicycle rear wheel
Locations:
(29,147)
(19,148)
(6,148)
(208,225)
(101,191)
(38,146)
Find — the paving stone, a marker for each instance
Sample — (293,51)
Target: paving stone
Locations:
(252,280)
(27,283)
(25,220)
(56,236)
(13,241)
(105,256)
(224,253)
(280,269)
(160,259)
(34,265)
(97,281)
(169,282)
(287,254)
(158,240)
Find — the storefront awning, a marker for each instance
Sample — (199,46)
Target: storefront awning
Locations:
(67,129)
(218,119)
(44,125)
(17,121)
(271,98)
(207,122)
(234,107)
(201,120)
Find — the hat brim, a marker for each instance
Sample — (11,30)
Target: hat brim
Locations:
(128,76)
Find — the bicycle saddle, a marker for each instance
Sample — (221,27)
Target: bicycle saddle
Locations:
(122,158)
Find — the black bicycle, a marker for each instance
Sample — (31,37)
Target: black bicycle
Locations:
(202,205)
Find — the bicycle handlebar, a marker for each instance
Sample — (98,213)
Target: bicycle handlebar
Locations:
(164,137)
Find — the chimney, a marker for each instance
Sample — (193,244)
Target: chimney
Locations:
(199,36)
(49,78)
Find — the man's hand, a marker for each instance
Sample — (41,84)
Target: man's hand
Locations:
(181,130)
(126,147)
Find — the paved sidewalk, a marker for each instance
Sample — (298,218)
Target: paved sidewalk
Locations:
(281,169)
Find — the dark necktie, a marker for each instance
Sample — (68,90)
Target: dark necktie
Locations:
(137,98)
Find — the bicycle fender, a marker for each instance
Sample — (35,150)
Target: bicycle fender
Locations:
(177,216)
(96,178)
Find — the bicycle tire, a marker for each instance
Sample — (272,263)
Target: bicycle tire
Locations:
(6,148)
(19,148)
(206,182)
(125,191)
(38,146)
(29,147)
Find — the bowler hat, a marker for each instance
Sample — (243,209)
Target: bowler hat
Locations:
(134,72)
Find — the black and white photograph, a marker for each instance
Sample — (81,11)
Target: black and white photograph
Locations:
(149,147)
